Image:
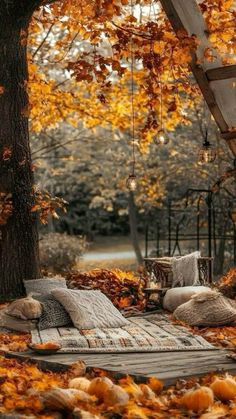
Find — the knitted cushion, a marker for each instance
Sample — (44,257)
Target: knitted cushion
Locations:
(44,285)
(89,309)
(174,297)
(207,309)
(53,314)
(185,270)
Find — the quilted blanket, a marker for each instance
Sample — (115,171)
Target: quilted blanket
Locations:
(152,333)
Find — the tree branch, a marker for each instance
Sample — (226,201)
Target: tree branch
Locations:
(43,41)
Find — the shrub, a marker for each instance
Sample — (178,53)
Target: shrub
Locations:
(123,288)
(227,284)
(60,252)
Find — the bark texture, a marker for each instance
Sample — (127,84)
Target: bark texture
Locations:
(18,238)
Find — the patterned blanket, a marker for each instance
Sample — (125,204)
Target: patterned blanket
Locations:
(152,333)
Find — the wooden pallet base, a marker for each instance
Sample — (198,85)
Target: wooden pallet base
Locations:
(167,366)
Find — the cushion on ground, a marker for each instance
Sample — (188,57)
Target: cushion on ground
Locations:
(53,313)
(207,309)
(25,308)
(174,297)
(89,309)
(185,270)
(43,286)
(12,323)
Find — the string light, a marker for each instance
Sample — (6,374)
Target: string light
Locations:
(161,138)
(131,182)
(207,153)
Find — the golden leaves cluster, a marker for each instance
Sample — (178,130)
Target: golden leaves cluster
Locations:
(47,205)
(124,289)
(92,41)
(26,390)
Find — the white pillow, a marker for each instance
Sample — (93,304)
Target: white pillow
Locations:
(174,297)
(89,309)
(185,270)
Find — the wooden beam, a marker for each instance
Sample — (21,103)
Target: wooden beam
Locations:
(187,16)
(229,135)
(221,73)
(208,94)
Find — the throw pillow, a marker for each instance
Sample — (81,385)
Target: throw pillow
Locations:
(89,309)
(18,325)
(43,286)
(53,314)
(174,297)
(25,308)
(185,270)
(207,309)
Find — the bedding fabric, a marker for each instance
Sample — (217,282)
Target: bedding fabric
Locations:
(149,333)
(89,309)
(13,323)
(185,270)
(43,286)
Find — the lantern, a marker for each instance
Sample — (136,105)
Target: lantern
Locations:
(161,138)
(207,153)
(131,182)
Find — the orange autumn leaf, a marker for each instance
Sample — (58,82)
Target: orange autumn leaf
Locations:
(155,384)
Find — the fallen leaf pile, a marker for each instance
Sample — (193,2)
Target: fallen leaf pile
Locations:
(223,336)
(26,391)
(16,342)
(123,288)
(227,284)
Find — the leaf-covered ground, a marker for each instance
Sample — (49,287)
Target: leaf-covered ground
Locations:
(23,386)
(27,391)
(224,336)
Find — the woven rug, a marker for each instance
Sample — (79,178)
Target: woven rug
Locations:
(152,333)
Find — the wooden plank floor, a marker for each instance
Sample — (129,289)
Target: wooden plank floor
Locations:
(167,366)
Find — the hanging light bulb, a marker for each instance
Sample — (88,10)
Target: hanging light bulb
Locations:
(131,182)
(161,138)
(207,153)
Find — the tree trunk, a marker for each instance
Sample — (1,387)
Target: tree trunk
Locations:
(220,255)
(19,239)
(134,228)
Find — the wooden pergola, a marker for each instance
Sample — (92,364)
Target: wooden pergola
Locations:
(216,81)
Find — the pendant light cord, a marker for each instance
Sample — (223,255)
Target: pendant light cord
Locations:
(207,117)
(161,105)
(132,131)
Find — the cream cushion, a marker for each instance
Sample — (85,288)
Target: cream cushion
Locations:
(89,309)
(210,309)
(25,308)
(185,270)
(174,297)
